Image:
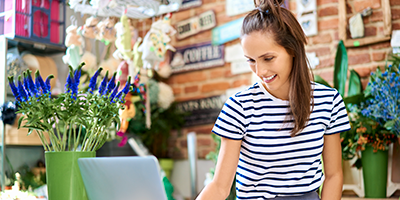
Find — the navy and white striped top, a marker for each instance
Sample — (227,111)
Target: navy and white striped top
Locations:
(271,162)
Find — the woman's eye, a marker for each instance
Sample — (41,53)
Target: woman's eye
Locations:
(268,59)
(250,61)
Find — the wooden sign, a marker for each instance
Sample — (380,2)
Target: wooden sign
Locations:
(194,25)
(227,32)
(202,111)
(186,4)
(198,56)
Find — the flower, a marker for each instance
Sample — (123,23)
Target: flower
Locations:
(72,119)
(383,93)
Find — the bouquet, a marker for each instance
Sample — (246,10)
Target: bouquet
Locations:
(384,104)
(74,120)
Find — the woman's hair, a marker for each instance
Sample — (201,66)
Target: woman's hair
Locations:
(269,17)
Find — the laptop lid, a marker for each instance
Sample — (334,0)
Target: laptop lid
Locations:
(122,178)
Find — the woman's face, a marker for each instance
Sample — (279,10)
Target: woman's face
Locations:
(269,61)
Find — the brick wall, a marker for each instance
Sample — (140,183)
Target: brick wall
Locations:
(215,81)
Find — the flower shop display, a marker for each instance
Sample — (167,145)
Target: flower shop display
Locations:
(76,121)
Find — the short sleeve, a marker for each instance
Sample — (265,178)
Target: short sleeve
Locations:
(339,120)
(231,120)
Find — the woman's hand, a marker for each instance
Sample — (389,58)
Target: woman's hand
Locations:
(225,171)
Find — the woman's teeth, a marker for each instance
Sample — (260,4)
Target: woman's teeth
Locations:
(271,77)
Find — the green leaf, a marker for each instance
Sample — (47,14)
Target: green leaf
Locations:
(20,121)
(340,70)
(355,99)
(355,86)
(389,124)
(319,79)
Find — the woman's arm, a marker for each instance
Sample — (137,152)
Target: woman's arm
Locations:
(332,155)
(225,171)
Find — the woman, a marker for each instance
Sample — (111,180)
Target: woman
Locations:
(274,133)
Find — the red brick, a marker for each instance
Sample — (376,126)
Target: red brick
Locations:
(204,129)
(208,1)
(394,2)
(183,143)
(191,89)
(381,45)
(320,51)
(321,39)
(376,16)
(327,75)
(322,2)
(369,31)
(396,26)
(328,24)
(364,82)
(190,77)
(204,141)
(359,59)
(363,71)
(241,82)
(323,63)
(217,72)
(360,5)
(395,14)
(203,153)
(378,56)
(328,11)
(177,90)
(189,98)
(209,87)
(217,8)
(180,16)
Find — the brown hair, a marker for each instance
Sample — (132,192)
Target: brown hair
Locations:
(270,17)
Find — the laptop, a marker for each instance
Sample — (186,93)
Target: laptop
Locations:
(122,178)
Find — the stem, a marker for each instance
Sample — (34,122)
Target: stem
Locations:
(86,143)
(69,135)
(79,135)
(73,144)
(43,140)
(53,139)
(64,137)
(59,133)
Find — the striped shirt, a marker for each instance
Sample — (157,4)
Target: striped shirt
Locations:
(271,162)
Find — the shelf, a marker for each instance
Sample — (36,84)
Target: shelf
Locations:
(34,47)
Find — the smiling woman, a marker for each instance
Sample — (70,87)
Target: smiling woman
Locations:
(274,133)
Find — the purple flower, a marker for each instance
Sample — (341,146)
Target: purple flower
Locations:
(103,84)
(111,84)
(31,84)
(21,90)
(40,84)
(14,88)
(114,92)
(124,90)
(93,80)
(48,85)
(25,82)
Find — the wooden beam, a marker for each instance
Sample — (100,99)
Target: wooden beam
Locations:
(387,18)
(342,20)
(364,41)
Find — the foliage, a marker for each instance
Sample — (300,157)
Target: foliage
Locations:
(72,115)
(163,121)
(384,92)
(30,180)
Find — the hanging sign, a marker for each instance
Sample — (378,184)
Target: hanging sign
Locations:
(227,32)
(196,24)
(198,56)
(186,4)
(202,111)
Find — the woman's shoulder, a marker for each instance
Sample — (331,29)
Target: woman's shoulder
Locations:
(320,88)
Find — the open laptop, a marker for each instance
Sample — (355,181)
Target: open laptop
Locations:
(122,178)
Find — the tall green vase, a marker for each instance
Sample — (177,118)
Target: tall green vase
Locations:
(375,170)
(64,181)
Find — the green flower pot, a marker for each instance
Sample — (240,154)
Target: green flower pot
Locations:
(375,170)
(64,181)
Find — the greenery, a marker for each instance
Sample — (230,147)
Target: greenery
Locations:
(163,121)
(369,116)
(72,115)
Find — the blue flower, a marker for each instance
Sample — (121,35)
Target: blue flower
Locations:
(121,94)
(111,84)
(32,87)
(40,84)
(48,85)
(21,90)
(14,88)
(25,82)
(93,80)
(103,84)
(114,92)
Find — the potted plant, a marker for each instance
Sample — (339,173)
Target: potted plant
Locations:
(76,122)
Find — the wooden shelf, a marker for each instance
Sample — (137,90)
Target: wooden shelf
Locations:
(358,42)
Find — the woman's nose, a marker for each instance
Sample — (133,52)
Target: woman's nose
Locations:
(260,71)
